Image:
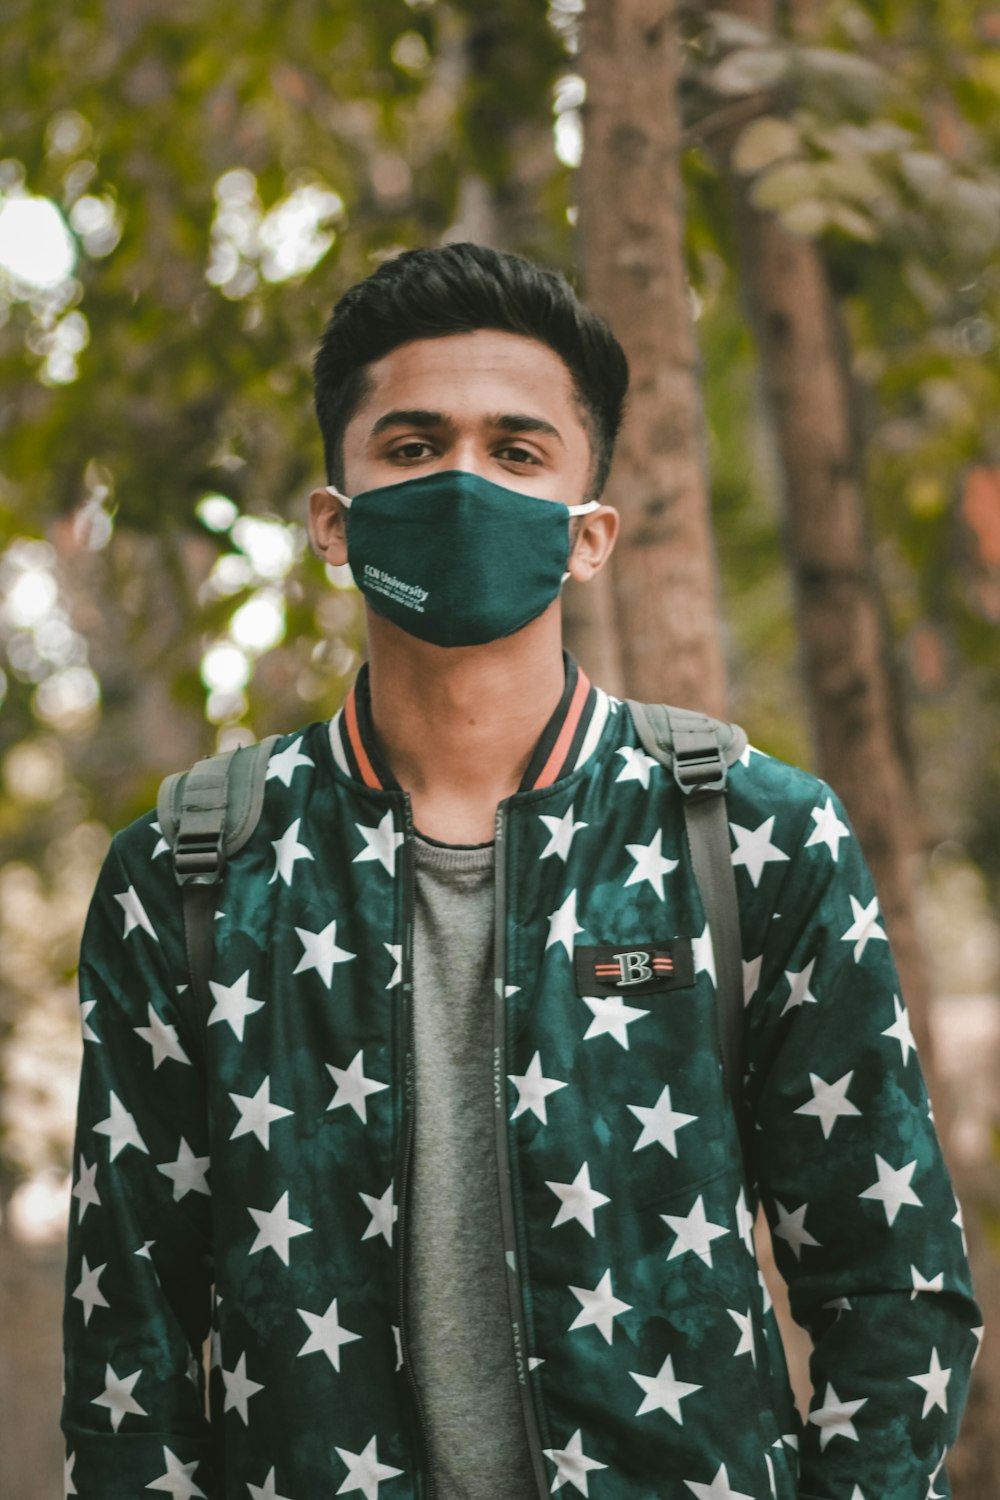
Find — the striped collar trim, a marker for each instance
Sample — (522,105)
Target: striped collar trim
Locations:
(568,739)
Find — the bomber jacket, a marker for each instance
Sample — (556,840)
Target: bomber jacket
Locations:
(246,1172)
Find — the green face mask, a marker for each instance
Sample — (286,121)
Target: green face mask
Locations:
(455,559)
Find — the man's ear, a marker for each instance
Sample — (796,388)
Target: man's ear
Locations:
(594,543)
(326,527)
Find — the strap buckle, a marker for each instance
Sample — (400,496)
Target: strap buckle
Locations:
(200,859)
(699,764)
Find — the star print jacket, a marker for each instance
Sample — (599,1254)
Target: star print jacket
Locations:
(245,1175)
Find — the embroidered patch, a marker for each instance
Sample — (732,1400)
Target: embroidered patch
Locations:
(636,969)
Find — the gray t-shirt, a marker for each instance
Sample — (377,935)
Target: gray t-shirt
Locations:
(461,1347)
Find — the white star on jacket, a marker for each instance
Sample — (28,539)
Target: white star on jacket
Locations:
(561,833)
(353,1087)
(275,1228)
(321,952)
(239,1388)
(364,1472)
(900,1030)
(598,1308)
(934,1384)
(326,1335)
(754,849)
(829,1102)
(162,1038)
(935,1284)
(612,1017)
(117,1396)
(833,1418)
(85,1190)
(694,1232)
(267,1490)
(744,1222)
(69,1464)
(663,1391)
(135,914)
(88,1035)
(384,1215)
(177,1479)
(187,1173)
(637,765)
(577,1200)
(650,864)
(563,925)
(395,952)
(893,1188)
(660,1124)
(233,1004)
(829,829)
(572,1464)
(719,1489)
(703,953)
(88,1292)
(798,987)
(120,1128)
(285,763)
(792,1228)
(533,1089)
(381,843)
(744,1322)
(257,1114)
(287,850)
(751,977)
(864,929)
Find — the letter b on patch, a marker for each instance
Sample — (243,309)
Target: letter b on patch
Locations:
(635,968)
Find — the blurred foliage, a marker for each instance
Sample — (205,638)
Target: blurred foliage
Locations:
(224,171)
(878,136)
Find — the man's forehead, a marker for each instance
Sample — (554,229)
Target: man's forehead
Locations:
(468,366)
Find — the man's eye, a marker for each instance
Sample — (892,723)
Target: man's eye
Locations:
(520,455)
(406,450)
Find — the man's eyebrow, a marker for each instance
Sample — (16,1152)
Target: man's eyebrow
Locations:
(520,422)
(503,421)
(409,418)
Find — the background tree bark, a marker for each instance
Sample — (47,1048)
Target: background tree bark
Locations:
(847,670)
(663,579)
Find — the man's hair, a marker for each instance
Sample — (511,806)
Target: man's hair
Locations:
(430,293)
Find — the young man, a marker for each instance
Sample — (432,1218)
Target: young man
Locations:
(449,1166)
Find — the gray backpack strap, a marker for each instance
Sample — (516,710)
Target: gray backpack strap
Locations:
(206,815)
(699,750)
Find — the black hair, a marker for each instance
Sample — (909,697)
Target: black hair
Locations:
(430,293)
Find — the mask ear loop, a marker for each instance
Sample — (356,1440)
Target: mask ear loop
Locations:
(345,500)
(580,510)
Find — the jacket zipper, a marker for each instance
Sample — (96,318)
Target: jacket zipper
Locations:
(424,1484)
(507,1225)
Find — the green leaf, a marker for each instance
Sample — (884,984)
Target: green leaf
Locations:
(748,70)
(764,142)
(785,184)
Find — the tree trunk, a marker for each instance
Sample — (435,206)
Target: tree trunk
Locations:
(631,249)
(844,651)
(846,654)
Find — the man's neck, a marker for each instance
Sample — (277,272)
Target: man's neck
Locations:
(458,724)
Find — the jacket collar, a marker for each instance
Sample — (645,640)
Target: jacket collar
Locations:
(565,743)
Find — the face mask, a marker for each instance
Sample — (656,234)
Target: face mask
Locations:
(455,559)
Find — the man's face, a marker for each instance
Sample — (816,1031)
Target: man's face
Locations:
(492,403)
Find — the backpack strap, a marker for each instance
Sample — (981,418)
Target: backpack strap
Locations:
(699,750)
(206,815)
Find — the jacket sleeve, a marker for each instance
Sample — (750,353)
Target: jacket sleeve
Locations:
(139,1268)
(866,1227)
